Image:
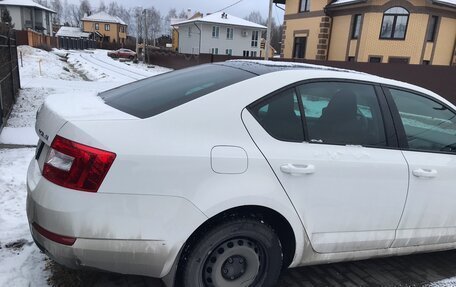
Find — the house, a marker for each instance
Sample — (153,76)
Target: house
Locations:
(27,14)
(220,33)
(397,31)
(175,27)
(108,28)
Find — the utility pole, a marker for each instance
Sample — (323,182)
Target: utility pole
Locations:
(268,34)
(138,29)
(145,35)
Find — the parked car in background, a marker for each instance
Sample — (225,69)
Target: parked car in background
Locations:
(224,174)
(122,53)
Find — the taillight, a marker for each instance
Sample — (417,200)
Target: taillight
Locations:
(76,166)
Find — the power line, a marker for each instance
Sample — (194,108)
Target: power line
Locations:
(228,6)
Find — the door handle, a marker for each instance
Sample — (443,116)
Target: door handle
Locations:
(425,173)
(297,169)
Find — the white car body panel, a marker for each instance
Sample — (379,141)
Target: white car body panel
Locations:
(368,186)
(430,213)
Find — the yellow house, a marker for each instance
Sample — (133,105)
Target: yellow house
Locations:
(109,28)
(394,31)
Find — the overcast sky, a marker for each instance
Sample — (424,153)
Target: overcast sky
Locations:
(241,9)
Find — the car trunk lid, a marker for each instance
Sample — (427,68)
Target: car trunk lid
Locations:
(59,109)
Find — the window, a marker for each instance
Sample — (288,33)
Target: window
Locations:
(280,116)
(229,33)
(394,25)
(245,53)
(351,59)
(253,54)
(342,113)
(122,29)
(398,60)
(429,125)
(107,27)
(97,26)
(299,49)
(432,29)
(189,31)
(374,59)
(304,6)
(215,31)
(426,62)
(229,52)
(356,26)
(255,39)
(154,95)
(214,51)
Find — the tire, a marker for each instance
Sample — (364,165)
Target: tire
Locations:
(236,253)
(131,57)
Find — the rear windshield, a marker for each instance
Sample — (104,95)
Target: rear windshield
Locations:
(154,95)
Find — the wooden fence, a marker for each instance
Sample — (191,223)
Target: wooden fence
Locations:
(439,79)
(9,72)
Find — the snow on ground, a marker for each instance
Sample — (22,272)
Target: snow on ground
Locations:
(451,282)
(21,263)
(42,74)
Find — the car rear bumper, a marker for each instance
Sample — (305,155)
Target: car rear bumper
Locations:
(129,234)
(140,257)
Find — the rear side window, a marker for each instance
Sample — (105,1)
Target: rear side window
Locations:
(155,95)
(280,116)
(429,126)
(342,113)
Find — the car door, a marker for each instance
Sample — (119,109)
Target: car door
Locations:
(341,172)
(427,129)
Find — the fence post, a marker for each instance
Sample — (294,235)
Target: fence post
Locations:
(11,65)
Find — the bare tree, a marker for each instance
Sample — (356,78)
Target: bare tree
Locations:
(182,15)
(255,17)
(113,9)
(85,8)
(56,5)
(102,6)
(74,16)
(172,13)
(153,22)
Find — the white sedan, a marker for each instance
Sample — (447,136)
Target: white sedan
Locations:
(225,174)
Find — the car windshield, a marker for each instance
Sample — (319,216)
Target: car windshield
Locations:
(154,95)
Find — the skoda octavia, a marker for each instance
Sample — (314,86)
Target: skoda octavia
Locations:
(225,174)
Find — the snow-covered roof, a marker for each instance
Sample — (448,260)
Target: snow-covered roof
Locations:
(103,17)
(175,21)
(348,2)
(228,20)
(24,3)
(72,32)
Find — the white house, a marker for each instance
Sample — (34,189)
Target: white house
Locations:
(221,34)
(27,14)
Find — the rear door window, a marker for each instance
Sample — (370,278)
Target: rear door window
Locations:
(342,113)
(154,95)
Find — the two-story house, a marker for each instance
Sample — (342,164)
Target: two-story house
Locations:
(386,31)
(109,28)
(220,34)
(26,14)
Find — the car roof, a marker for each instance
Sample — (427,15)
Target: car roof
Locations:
(261,67)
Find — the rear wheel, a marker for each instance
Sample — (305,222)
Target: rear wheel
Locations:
(237,253)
